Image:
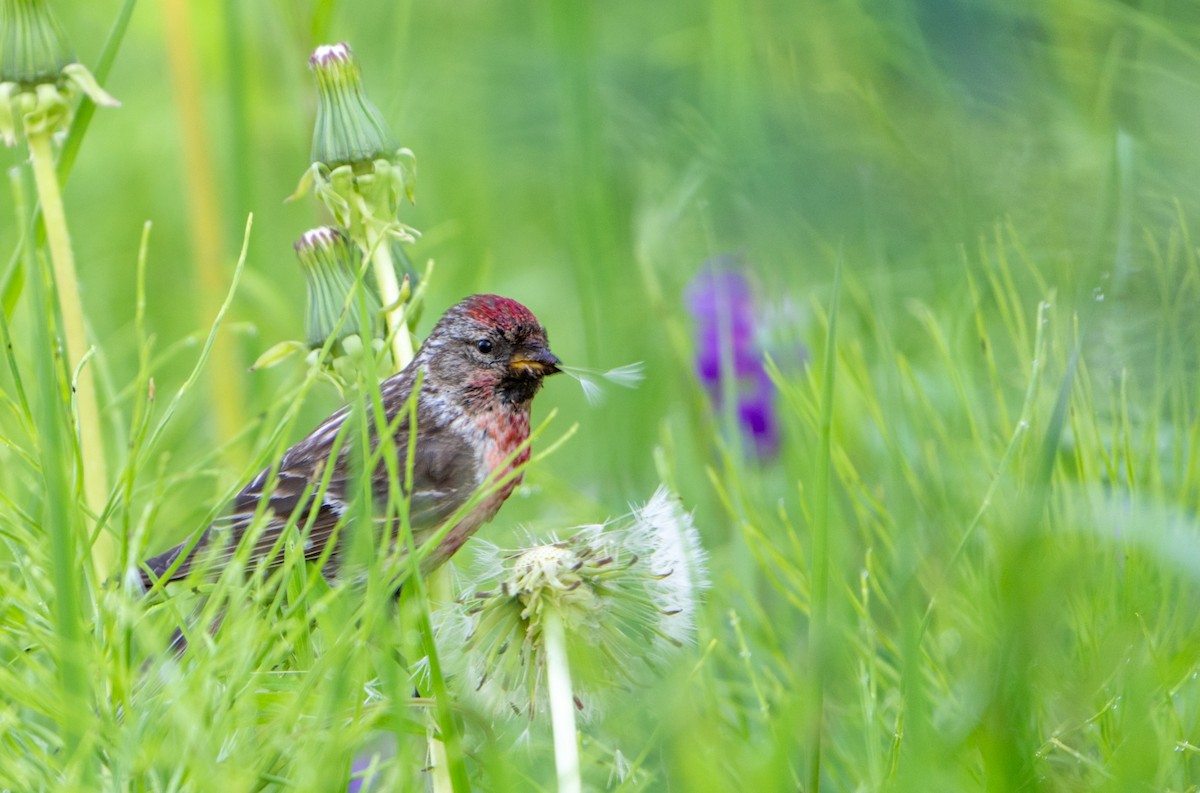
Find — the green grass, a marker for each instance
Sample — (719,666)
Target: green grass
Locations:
(999,442)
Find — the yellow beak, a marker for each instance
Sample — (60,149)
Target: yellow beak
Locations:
(540,363)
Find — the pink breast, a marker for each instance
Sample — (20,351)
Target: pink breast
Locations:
(507,431)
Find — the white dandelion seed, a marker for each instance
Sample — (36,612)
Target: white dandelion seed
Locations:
(627,376)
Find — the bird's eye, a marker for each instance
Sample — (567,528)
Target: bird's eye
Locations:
(484,345)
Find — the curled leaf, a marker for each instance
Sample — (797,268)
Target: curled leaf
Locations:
(278,354)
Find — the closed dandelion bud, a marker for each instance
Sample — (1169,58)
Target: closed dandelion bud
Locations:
(39,77)
(358,171)
(331,265)
(35,47)
(622,596)
(340,306)
(349,128)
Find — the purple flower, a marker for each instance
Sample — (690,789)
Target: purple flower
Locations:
(361,763)
(721,302)
(756,412)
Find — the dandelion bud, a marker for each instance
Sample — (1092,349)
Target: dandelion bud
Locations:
(331,266)
(34,45)
(39,76)
(340,306)
(358,171)
(349,129)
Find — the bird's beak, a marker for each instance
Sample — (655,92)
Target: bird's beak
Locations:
(539,362)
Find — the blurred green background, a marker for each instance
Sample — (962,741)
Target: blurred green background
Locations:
(963,160)
(586,160)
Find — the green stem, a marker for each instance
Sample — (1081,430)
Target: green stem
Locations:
(439,762)
(92,468)
(60,511)
(450,772)
(562,703)
(441,592)
(380,251)
(818,625)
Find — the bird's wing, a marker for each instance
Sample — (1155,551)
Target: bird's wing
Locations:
(445,474)
(217,545)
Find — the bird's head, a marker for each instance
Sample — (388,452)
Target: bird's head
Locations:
(491,347)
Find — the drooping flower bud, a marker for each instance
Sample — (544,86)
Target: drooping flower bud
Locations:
(624,594)
(331,268)
(39,77)
(349,128)
(34,47)
(339,306)
(358,170)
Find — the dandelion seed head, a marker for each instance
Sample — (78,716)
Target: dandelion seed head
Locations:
(542,566)
(677,556)
(626,593)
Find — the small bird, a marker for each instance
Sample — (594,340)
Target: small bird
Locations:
(480,368)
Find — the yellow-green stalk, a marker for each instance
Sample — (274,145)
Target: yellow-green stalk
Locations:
(39,83)
(361,174)
(205,227)
(59,514)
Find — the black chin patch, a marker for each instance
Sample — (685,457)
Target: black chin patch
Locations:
(518,388)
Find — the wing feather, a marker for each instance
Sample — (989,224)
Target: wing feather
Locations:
(446,471)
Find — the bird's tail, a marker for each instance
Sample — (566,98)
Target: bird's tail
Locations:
(167,567)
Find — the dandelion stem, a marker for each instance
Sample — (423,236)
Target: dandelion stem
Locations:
(380,251)
(439,762)
(441,592)
(562,703)
(92,468)
(60,513)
